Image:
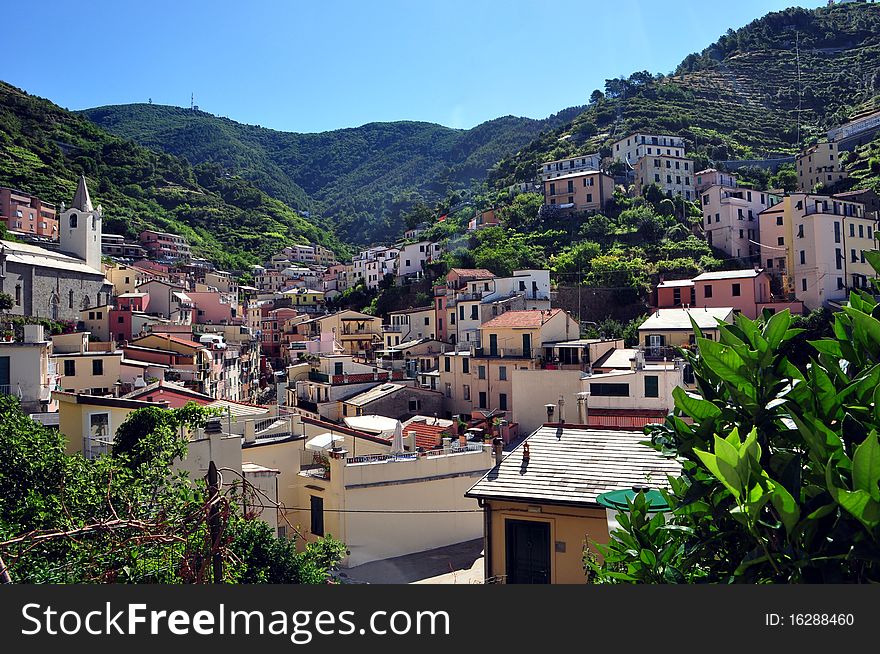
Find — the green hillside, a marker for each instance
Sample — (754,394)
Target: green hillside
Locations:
(738,99)
(43,150)
(361,178)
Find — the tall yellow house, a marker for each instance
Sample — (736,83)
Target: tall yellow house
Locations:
(356,332)
(480,379)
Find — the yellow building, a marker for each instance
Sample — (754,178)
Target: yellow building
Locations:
(667,329)
(481,378)
(583,191)
(85,366)
(540,507)
(356,332)
(819,165)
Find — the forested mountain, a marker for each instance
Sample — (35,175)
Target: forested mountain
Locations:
(43,150)
(361,178)
(741,97)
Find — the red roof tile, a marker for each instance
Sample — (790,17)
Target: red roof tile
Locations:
(426,435)
(479,273)
(521,319)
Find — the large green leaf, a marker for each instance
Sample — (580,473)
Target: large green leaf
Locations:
(827,346)
(723,361)
(866,466)
(873,257)
(858,503)
(776,327)
(694,405)
(786,506)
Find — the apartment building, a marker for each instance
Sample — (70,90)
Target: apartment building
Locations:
(356,333)
(409,325)
(481,378)
(819,165)
(168,301)
(27,370)
(560,167)
(703,179)
(482,220)
(667,329)
(730,218)
(471,303)
(85,366)
(635,146)
(673,174)
(26,213)
(816,245)
(162,245)
(413,258)
(584,191)
(114,245)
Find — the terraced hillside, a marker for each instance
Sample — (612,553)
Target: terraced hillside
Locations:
(739,98)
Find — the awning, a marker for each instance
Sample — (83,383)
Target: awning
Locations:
(323,441)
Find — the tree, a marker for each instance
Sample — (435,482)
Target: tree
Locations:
(596,96)
(575,258)
(781,464)
(127,516)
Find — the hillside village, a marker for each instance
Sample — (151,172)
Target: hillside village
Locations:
(463,400)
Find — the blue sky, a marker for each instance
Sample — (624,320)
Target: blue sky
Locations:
(313,66)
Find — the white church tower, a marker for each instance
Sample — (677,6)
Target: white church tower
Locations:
(80,228)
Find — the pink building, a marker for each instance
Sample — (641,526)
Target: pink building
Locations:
(712,177)
(212,308)
(25,213)
(121,317)
(746,291)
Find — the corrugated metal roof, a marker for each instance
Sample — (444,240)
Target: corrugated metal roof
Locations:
(573,466)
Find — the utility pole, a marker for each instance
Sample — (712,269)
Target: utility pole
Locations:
(214,522)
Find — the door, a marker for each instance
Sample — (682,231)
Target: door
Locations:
(527,551)
(655,342)
(493,345)
(527,346)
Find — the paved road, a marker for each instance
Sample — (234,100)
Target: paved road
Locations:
(461,563)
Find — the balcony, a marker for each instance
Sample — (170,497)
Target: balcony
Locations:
(320,377)
(397,329)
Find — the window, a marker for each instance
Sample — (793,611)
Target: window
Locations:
(780,240)
(870,232)
(652,386)
(502,401)
(837,232)
(70,299)
(589,197)
(769,263)
(481,372)
(73,220)
(656,178)
(707,290)
(861,231)
(482,400)
(778,220)
(449,391)
(461,312)
(552,188)
(502,373)
(804,284)
(853,256)
(735,290)
(803,257)
(18,295)
(669,179)
(69,368)
(465,365)
(317,511)
(99,435)
(571,186)
(446,365)
(852,230)
(609,390)
(466,392)
(839,283)
(415,405)
(97,367)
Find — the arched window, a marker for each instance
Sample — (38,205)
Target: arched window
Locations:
(73,218)
(70,299)
(85,302)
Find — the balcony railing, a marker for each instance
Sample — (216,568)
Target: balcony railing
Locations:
(321,377)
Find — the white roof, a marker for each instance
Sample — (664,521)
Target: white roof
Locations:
(237,409)
(32,255)
(669,319)
(372,424)
(728,274)
(323,441)
(373,394)
(672,283)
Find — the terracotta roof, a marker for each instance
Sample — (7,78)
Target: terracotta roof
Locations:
(480,273)
(426,435)
(521,319)
(571,466)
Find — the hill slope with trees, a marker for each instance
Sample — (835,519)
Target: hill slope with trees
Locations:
(360,178)
(44,149)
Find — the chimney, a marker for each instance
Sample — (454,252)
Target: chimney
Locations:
(550,408)
(33,334)
(561,410)
(580,404)
(411,441)
(498,449)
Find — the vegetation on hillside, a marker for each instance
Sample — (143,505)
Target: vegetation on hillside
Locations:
(44,149)
(362,179)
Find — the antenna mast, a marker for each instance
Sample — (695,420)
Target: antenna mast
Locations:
(192,100)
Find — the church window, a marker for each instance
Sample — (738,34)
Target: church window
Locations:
(73,221)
